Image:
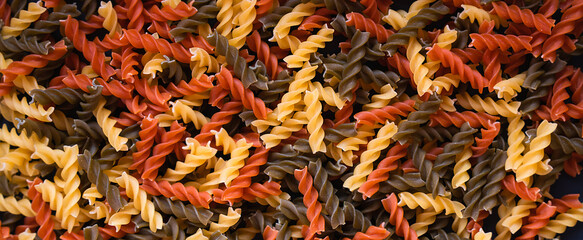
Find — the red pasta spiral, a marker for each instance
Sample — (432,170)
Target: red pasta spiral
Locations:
(152,44)
(168,13)
(488,134)
(239,92)
(149,128)
(178,191)
(151,92)
(362,23)
(560,94)
(33,61)
(520,189)
(264,54)
(446,119)
(316,21)
(260,190)
(218,120)
(537,221)
(567,202)
(200,85)
(455,63)
(401,63)
(493,42)
(381,173)
(524,16)
(43,217)
(306,187)
(243,181)
(136,15)
(493,71)
(559,38)
(89,49)
(162,149)
(572,166)
(397,219)
(386,113)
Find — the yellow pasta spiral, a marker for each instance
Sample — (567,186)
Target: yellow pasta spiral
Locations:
(488,105)
(24,19)
(426,201)
(110,18)
(522,209)
(315,121)
(370,155)
(108,125)
(201,62)
(560,224)
(197,156)
(306,48)
(141,202)
(22,106)
(533,159)
(245,18)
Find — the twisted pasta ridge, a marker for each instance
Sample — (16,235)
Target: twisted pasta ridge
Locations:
(426,169)
(397,218)
(460,140)
(141,201)
(178,191)
(524,16)
(101,181)
(239,92)
(475,186)
(265,55)
(33,61)
(522,209)
(493,187)
(310,200)
(180,210)
(197,156)
(383,114)
(532,163)
(112,133)
(426,201)
(149,128)
(488,135)
(23,21)
(315,121)
(558,36)
(417,118)
(326,193)
(42,212)
(381,173)
(34,110)
(243,180)
(306,48)
(362,23)
(419,21)
(191,24)
(88,48)
(298,86)
(162,149)
(245,19)
(560,94)
(488,105)
(370,155)
(446,119)
(248,75)
(483,41)
(353,64)
(537,221)
(457,66)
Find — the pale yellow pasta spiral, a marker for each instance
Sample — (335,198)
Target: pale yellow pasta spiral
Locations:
(352,143)
(509,88)
(382,99)
(327,94)
(480,15)
(533,159)
(294,18)
(315,121)
(17,207)
(24,19)
(225,17)
(298,86)
(420,71)
(226,221)
(488,105)
(141,202)
(22,106)
(460,170)
(370,155)
(560,224)
(522,209)
(306,48)
(197,156)
(108,125)
(396,19)
(21,140)
(124,215)
(246,16)
(201,62)
(284,131)
(110,18)
(423,219)
(426,201)
(515,143)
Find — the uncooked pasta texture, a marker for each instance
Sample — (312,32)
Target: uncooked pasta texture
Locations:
(290,119)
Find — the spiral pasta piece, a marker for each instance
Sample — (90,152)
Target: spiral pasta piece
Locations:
(488,105)
(533,159)
(306,48)
(25,18)
(426,201)
(141,201)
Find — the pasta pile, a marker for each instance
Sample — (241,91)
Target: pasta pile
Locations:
(289,119)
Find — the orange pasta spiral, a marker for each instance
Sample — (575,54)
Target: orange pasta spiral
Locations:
(162,149)
(537,221)
(43,217)
(386,113)
(524,16)
(520,189)
(178,191)
(33,61)
(250,170)
(397,218)
(362,23)
(381,173)
(306,187)
(246,96)
(452,61)
(493,42)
